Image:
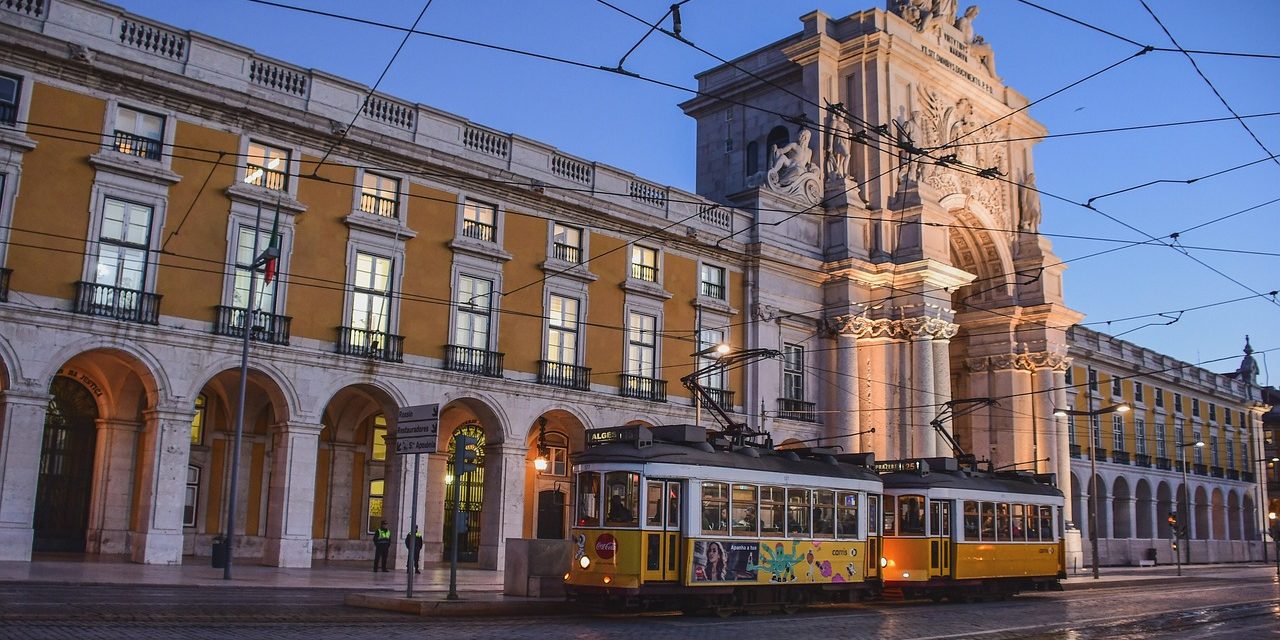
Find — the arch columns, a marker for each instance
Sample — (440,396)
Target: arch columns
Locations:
(22,415)
(113,473)
(503,516)
(942,383)
(163,452)
(291,495)
(845,422)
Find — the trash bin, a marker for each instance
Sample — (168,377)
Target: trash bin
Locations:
(219,552)
(1151,555)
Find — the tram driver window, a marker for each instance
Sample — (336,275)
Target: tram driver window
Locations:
(623,491)
(910,515)
(588,499)
(890,522)
(715,507)
(970,520)
(847,515)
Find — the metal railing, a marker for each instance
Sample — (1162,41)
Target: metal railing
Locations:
(135,145)
(4,284)
(793,409)
(129,305)
(559,374)
(1075,450)
(1246,476)
(723,397)
(472,360)
(651,389)
(370,344)
(567,252)
(713,290)
(1142,460)
(1200,469)
(1120,457)
(266,178)
(1217,472)
(644,272)
(1232,474)
(1099,454)
(479,230)
(267,327)
(378,205)
(1164,463)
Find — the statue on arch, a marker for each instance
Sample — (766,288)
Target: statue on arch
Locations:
(792,171)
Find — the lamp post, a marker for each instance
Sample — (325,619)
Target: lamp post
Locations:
(1094,434)
(1275,538)
(1184,516)
(1261,479)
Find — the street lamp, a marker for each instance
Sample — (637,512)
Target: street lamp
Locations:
(1275,537)
(1185,515)
(1093,467)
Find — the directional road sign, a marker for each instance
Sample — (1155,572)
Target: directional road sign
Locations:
(417,428)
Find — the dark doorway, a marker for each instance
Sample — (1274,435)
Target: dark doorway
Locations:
(66,468)
(470,492)
(551,514)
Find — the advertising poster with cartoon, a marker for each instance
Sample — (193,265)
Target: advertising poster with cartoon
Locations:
(785,561)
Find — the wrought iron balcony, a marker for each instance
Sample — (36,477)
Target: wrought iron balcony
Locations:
(370,344)
(559,374)
(1246,476)
(378,205)
(723,397)
(643,388)
(1075,451)
(1232,474)
(136,145)
(1142,460)
(1099,454)
(644,272)
(1217,472)
(713,290)
(792,409)
(129,305)
(1164,463)
(267,327)
(471,360)
(266,178)
(1120,457)
(4,284)
(567,252)
(1200,469)
(479,230)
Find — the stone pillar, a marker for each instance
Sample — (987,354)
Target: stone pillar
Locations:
(22,415)
(1062,451)
(844,388)
(923,439)
(163,452)
(291,495)
(398,501)
(1046,425)
(504,506)
(1131,507)
(113,476)
(942,385)
(979,420)
(1108,531)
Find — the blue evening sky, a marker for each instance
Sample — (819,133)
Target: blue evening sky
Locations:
(636,126)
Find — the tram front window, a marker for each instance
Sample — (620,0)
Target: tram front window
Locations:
(588,499)
(910,515)
(623,489)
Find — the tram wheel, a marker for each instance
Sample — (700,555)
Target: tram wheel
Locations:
(724,612)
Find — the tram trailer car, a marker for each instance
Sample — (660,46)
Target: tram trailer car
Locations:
(963,533)
(663,518)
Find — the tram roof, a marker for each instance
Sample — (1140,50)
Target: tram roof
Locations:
(768,460)
(969,481)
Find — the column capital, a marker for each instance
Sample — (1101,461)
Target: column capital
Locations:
(27,397)
(914,328)
(169,413)
(300,428)
(1019,361)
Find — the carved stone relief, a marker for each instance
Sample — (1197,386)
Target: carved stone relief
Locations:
(1020,361)
(915,328)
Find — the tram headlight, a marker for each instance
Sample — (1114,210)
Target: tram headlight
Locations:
(584,562)
(566,576)
(884,562)
(906,574)
(608,579)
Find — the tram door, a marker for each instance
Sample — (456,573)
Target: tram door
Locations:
(662,530)
(940,538)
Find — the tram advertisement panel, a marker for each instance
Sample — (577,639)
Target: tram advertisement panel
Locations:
(770,561)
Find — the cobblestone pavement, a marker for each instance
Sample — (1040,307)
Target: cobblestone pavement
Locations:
(1240,607)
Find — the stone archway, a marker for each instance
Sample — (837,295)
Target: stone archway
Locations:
(65,482)
(1144,508)
(1121,525)
(493,503)
(555,436)
(1164,506)
(1218,515)
(1098,507)
(1200,509)
(1234,531)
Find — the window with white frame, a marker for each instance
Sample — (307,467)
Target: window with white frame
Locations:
(1213,450)
(1195,407)
(566,243)
(1162,448)
(1159,394)
(1140,436)
(562,329)
(641,344)
(707,338)
(557,455)
(1195,437)
(191,498)
(1096,426)
(1213,412)
(644,263)
(1093,379)
(1071,426)
(379,195)
(124,246)
(1138,393)
(371,296)
(712,282)
(1117,433)
(245,257)
(1231,453)
(1179,431)
(471,323)
(793,372)
(1115,385)
(480,220)
(266,166)
(10,93)
(138,133)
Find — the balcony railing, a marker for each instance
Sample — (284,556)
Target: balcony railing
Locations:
(1099,454)
(722,397)
(567,252)
(559,374)
(1142,460)
(267,327)
(370,344)
(1200,469)
(713,290)
(1164,463)
(1120,457)
(266,178)
(471,360)
(378,205)
(792,409)
(1217,472)
(1075,451)
(1246,476)
(136,145)
(650,389)
(1232,474)
(4,284)
(479,230)
(644,272)
(129,305)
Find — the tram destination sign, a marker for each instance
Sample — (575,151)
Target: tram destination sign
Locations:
(893,466)
(641,436)
(417,429)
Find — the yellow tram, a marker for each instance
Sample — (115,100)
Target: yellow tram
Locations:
(665,516)
(966,533)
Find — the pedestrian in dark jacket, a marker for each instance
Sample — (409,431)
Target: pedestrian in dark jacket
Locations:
(413,542)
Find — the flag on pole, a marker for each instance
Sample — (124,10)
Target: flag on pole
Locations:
(272,254)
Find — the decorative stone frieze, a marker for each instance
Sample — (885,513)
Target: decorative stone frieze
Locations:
(915,328)
(1021,361)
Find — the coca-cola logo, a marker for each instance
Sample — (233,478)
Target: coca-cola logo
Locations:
(606,546)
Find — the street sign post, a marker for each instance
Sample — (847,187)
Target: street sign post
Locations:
(416,431)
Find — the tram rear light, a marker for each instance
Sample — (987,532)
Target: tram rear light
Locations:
(584,562)
(566,576)
(608,579)
(884,562)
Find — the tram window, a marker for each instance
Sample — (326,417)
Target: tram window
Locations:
(653,504)
(1002,522)
(715,507)
(743,507)
(623,489)
(673,505)
(873,514)
(1033,523)
(946,518)
(888,521)
(773,502)
(910,515)
(1019,523)
(798,508)
(988,521)
(824,513)
(970,520)
(847,514)
(588,499)
(1046,522)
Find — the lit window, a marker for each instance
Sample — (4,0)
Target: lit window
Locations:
(267,167)
(371,300)
(644,263)
(197,422)
(713,282)
(123,253)
(479,221)
(566,243)
(641,344)
(376,488)
(379,194)
(379,451)
(471,323)
(138,133)
(1140,436)
(1117,433)
(562,330)
(793,372)
(191,497)
(265,291)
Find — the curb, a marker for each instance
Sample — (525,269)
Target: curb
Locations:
(1131,582)
(434,605)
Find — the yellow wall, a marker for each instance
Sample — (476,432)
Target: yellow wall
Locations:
(318,264)
(424,307)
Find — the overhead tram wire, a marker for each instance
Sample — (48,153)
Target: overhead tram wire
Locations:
(1184,181)
(1138,127)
